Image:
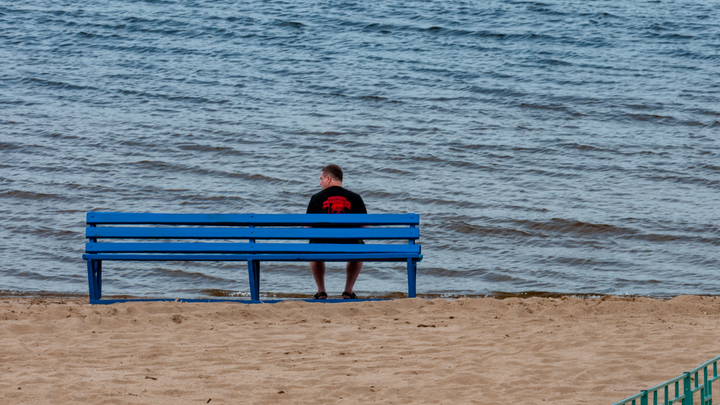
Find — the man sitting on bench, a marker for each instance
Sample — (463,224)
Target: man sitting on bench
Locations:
(334,199)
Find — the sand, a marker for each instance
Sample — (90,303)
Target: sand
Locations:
(408,351)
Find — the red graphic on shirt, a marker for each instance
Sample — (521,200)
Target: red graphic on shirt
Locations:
(336,205)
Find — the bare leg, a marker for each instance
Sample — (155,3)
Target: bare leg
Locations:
(353,271)
(318,272)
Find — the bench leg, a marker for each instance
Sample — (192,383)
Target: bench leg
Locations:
(254,279)
(412,271)
(95,278)
(98,269)
(257,279)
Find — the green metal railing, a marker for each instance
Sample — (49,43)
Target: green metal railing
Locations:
(684,390)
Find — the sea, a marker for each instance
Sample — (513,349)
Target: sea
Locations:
(561,147)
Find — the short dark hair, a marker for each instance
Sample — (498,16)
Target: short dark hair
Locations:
(333,171)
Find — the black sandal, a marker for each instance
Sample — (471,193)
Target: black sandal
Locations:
(320,296)
(349,296)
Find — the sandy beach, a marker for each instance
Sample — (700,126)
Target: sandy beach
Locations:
(409,351)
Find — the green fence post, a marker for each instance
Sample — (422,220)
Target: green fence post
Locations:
(644,397)
(710,385)
(677,390)
(705,391)
(687,390)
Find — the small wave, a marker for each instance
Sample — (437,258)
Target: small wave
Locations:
(62,136)
(544,9)
(652,118)
(703,112)
(657,106)
(563,226)
(554,62)
(689,180)
(189,199)
(515,37)
(50,83)
(551,107)
(710,167)
(171,97)
(18,102)
(683,53)
(600,15)
(165,167)
(43,231)
(584,228)
(184,274)
(5,146)
(30,195)
(676,36)
(378,99)
(243,19)
(588,148)
(218,150)
(42,294)
(84,34)
(464,227)
(392,170)
(541,294)
(289,24)
(415,198)
(453,32)
(223,293)
(499,92)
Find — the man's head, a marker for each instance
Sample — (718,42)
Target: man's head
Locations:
(331,175)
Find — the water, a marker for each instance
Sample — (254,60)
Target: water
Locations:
(557,146)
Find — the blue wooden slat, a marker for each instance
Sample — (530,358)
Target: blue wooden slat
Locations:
(250,219)
(198,247)
(251,233)
(295,257)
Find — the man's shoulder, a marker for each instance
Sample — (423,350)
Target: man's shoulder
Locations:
(323,194)
(352,193)
(335,190)
(317,195)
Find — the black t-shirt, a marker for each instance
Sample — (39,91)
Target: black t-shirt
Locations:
(336,200)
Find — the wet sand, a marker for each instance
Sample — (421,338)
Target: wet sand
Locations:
(409,351)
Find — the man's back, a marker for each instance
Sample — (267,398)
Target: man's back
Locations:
(336,200)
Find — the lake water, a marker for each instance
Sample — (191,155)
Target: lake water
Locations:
(560,146)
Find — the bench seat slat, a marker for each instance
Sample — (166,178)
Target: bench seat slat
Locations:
(252,233)
(199,247)
(129,218)
(393,257)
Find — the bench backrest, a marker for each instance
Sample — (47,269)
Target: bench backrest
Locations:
(209,229)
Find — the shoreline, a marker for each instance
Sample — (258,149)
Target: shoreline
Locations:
(501,295)
(468,350)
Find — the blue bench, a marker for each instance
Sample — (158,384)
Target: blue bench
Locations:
(244,237)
